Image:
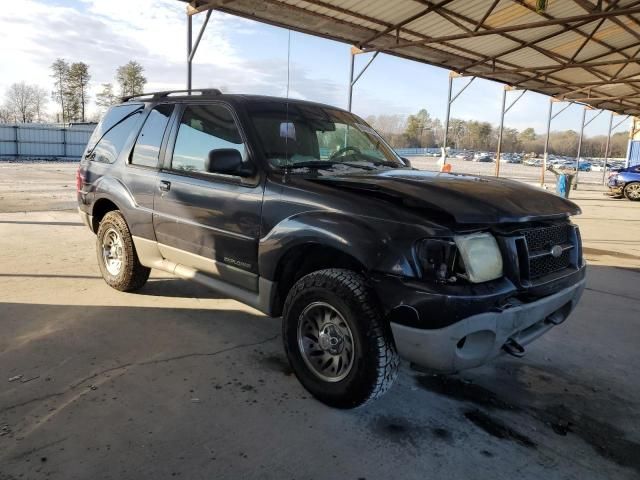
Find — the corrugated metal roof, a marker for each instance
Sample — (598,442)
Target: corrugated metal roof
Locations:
(584,50)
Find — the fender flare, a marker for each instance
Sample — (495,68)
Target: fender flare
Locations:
(353,236)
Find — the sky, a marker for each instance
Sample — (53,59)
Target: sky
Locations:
(241,56)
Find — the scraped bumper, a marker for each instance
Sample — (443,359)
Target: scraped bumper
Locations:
(477,339)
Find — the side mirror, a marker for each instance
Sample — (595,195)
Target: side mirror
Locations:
(406,161)
(227,161)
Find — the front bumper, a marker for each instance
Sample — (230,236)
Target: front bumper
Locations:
(477,339)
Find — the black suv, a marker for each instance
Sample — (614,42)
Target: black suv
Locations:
(303,211)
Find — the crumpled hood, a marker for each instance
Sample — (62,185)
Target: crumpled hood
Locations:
(467,198)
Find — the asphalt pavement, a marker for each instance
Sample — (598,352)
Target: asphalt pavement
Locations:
(176,381)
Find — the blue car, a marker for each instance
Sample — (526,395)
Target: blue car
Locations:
(625,182)
(572,164)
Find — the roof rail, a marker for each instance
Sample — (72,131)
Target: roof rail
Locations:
(168,93)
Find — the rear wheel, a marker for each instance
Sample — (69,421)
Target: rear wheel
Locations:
(632,191)
(336,341)
(117,255)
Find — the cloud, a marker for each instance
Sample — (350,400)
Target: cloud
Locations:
(106,34)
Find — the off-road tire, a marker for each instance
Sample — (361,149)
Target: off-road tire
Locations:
(375,360)
(626,191)
(132,275)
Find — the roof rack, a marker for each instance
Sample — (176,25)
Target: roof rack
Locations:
(203,92)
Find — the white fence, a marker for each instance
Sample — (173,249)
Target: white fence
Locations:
(23,141)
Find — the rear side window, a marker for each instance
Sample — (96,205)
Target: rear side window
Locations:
(113,116)
(147,148)
(112,142)
(204,128)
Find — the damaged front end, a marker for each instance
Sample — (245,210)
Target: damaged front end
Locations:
(484,293)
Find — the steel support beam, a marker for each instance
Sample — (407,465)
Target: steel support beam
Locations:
(450,100)
(191,47)
(607,148)
(521,27)
(502,114)
(550,117)
(582,127)
(352,81)
(499,147)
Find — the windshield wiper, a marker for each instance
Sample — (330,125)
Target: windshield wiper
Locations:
(326,165)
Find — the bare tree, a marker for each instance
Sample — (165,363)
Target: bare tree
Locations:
(21,100)
(106,97)
(6,115)
(40,99)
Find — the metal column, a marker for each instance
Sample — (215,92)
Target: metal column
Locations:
(606,150)
(502,114)
(189,49)
(353,61)
(450,100)
(584,116)
(546,140)
(446,119)
(499,147)
(352,81)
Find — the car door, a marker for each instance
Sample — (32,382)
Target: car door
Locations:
(141,172)
(206,220)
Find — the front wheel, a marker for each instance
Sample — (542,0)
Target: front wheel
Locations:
(632,191)
(336,341)
(117,256)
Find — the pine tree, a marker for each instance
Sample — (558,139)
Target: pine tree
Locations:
(60,74)
(78,83)
(131,79)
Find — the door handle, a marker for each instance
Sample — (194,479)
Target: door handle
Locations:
(164,186)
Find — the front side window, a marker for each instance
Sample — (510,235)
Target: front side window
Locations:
(147,148)
(204,128)
(112,142)
(299,135)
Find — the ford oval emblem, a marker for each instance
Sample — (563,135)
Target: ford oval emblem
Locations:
(556,251)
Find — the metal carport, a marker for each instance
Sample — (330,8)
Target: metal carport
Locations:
(583,51)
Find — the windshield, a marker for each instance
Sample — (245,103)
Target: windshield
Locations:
(301,135)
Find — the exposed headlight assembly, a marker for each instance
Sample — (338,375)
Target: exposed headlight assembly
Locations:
(481,257)
(438,258)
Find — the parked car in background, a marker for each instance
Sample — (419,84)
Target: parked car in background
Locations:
(625,182)
(583,166)
(599,167)
(483,159)
(533,162)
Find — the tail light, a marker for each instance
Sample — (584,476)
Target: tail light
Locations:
(79,180)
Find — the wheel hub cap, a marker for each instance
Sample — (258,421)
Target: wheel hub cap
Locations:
(325,342)
(331,340)
(112,254)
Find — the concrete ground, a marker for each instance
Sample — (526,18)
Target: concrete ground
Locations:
(174,381)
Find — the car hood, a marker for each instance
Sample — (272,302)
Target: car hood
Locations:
(467,198)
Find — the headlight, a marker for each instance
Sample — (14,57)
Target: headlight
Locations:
(481,256)
(438,257)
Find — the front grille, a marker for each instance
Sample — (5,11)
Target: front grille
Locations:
(541,266)
(540,241)
(543,238)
